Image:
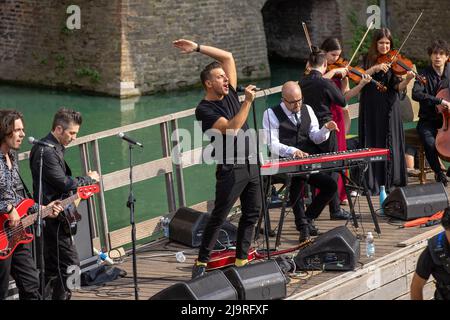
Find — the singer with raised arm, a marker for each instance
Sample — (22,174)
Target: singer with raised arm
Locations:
(19,264)
(237,174)
(292,130)
(58,183)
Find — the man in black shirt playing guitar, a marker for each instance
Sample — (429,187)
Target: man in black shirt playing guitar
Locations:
(58,183)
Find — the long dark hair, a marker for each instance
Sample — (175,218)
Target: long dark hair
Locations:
(331,44)
(7,119)
(378,34)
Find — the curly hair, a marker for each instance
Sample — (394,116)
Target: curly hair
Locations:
(7,119)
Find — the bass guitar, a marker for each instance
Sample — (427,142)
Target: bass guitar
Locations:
(227,257)
(10,238)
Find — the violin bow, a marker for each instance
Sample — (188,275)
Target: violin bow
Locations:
(407,37)
(361,42)
(308,39)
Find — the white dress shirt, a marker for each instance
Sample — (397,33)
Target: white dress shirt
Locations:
(271,127)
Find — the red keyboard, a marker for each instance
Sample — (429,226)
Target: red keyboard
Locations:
(324,161)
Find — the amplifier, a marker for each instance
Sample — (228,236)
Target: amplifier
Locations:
(337,249)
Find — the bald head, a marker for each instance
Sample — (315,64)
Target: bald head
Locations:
(292,96)
(290,87)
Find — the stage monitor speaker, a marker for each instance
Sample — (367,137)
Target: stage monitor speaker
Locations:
(187,227)
(335,250)
(416,201)
(83,237)
(258,281)
(212,286)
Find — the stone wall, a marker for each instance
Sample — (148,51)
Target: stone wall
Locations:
(323,18)
(434,24)
(124,46)
(151,26)
(37,48)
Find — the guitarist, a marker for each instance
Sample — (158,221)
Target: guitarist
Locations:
(57,183)
(20,264)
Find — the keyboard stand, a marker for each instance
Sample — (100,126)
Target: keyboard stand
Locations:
(341,171)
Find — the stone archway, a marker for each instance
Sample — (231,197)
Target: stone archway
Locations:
(284,33)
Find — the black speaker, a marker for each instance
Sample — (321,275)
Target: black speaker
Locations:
(187,226)
(212,286)
(83,237)
(416,201)
(337,249)
(259,281)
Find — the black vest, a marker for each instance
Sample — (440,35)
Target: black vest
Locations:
(441,257)
(292,136)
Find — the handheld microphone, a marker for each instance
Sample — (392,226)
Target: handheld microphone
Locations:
(32,140)
(242,89)
(129,140)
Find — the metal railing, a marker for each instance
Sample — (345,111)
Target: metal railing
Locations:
(90,157)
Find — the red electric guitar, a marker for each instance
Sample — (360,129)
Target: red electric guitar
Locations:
(10,238)
(226,258)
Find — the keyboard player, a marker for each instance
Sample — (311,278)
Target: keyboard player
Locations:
(292,130)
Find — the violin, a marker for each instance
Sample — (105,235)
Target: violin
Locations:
(443,135)
(354,73)
(399,64)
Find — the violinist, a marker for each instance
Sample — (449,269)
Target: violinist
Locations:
(337,71)
(320,94)
(380,123)
(437,76)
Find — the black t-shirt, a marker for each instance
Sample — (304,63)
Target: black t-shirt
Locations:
(426,267)
(208,112)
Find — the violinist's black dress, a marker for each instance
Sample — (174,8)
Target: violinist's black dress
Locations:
(380,126)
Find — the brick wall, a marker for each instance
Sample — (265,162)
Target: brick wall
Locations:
(151,26)
(124,46)
(433,25)
(37,48)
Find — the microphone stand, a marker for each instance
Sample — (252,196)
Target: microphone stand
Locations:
(39,229)
(261,186)
(130,204)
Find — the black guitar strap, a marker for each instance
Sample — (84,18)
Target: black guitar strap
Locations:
(27,192)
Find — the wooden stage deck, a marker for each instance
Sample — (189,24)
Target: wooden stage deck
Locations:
(397,250)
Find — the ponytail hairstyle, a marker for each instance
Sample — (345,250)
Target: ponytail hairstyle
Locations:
(317,57)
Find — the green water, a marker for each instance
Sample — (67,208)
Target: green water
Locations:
(102,113)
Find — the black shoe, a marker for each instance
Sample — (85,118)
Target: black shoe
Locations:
(313,230)
(440,177)
(198,271)
(304,234)
(341,215)
(448,172)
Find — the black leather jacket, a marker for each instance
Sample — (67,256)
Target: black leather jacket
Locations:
(57,179)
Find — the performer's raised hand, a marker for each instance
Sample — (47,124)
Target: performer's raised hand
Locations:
(186,46)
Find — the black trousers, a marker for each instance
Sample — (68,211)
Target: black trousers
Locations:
(22,268)
(322,181)
(427,131)
(331,145)
(59,254)
(233,181)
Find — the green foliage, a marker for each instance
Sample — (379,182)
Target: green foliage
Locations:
(66,31)
(60,61)
(93,74)
(358,31)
